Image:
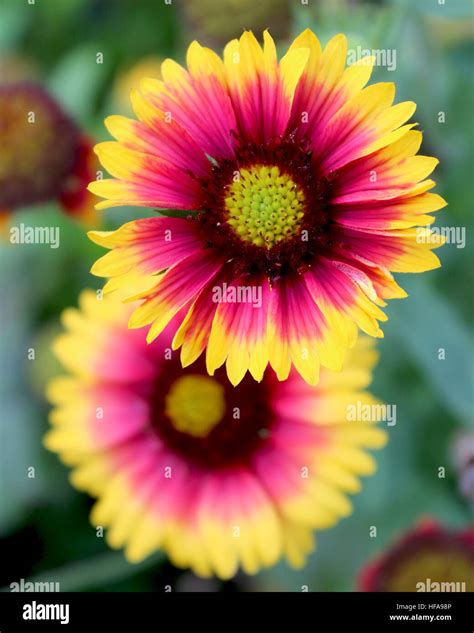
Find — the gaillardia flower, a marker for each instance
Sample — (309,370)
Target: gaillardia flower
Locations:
(428,558)
(217,476)
(302,186)
(45,156)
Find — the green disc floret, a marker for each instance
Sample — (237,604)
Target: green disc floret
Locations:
(264,205)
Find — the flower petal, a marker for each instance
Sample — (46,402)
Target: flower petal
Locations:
(143,180)
(198,100)
(159,136)
(239,328)
(324,86)
(261,90)
(174,290)
(364,124)
(299,333)
(147,246)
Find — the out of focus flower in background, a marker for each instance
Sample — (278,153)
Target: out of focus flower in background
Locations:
(44,154)
(213,24)
(430,557)
(218,477)
(128,79)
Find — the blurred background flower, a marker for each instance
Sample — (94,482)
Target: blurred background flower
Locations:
(129,78)
(78,50)
(215,23)
(44,154)
(217,477)
(423,559)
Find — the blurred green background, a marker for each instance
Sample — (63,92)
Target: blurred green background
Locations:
(43,520)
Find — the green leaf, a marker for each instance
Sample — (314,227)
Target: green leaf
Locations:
(14,20)
(77,79)
(425,325)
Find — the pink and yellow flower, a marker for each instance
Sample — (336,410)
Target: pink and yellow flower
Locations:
(219,477)
(300,183)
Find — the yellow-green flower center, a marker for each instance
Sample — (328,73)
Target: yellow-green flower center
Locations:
(439,566)
(264,205)
(195,404)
